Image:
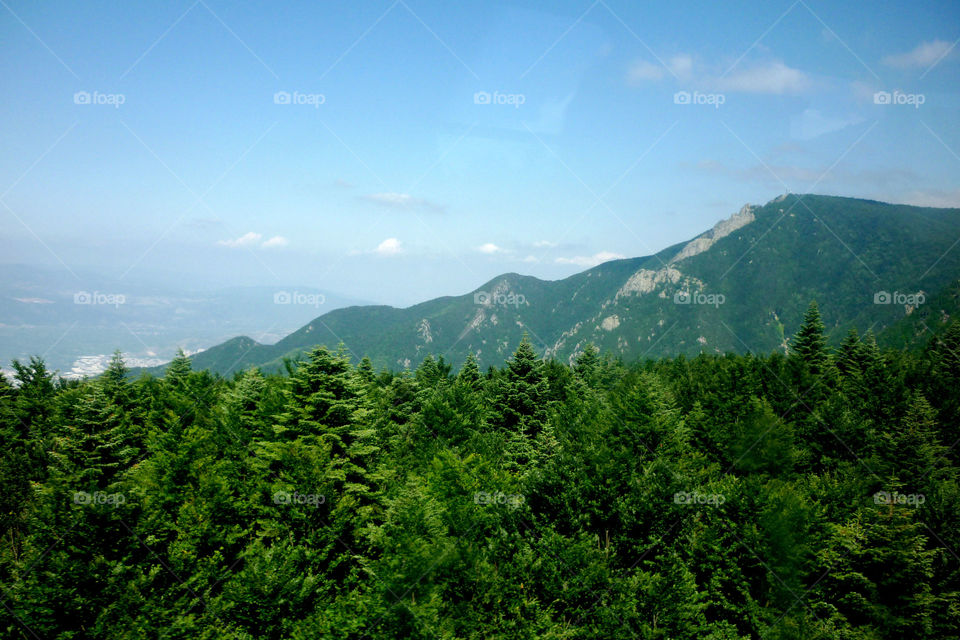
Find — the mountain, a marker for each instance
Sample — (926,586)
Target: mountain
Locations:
(741,286)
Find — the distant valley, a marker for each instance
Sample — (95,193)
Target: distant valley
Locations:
(76,322)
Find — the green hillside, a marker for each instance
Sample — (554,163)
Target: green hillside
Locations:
(930,318)
(742,286)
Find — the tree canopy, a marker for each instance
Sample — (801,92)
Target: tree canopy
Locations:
(812,495)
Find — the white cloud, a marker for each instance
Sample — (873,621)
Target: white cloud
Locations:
(544,244)
(531,259)
(924,55)
(680,66)
(245,240)
(770,77)
(251,238)
(34,300)
(402,202)
(591,261)
(275,242)
(642,70)
(863,91)
(812,124)
(393,199)
(389,247)
(489,247)
(551,115)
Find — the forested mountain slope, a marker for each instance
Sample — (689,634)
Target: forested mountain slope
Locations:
(742,286)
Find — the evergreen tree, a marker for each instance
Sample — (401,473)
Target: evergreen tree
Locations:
(943,379)
(912,454)
(520,405)
(365,371)
(470,373)
(178,369)
(587,366)
(725,497)
(850,357)
(814,376)
(521,394)
(809,344)
(428,374)
(33,404)
(945,352)
(20,454)
(323,399)
(330,450)
(762,443)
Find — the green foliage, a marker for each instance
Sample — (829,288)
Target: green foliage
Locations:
(809,495)
(809,344)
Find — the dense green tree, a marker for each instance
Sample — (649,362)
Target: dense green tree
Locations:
(806,495)
(809,344)
(33,402)
(850,356)
(521,393)
(761,442)
(365,371)
(470,373)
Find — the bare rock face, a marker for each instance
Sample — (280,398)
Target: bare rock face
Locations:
(723,228)
(610,322)
(423,330)
(646,280)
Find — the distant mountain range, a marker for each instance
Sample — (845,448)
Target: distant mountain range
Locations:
(741,286)
(76,319)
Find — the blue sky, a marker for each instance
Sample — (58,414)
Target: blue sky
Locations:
(429,146)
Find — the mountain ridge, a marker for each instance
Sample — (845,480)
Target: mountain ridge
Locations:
(741,285)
